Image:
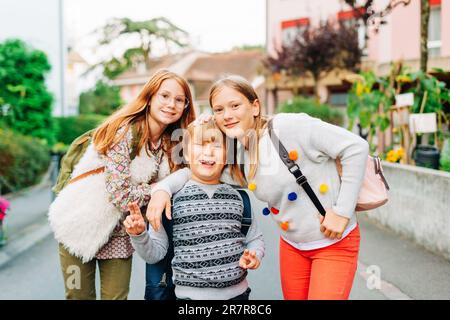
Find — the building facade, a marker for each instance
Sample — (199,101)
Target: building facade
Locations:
(398,39)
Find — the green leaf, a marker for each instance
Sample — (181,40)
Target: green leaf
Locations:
(440,70)
(364,118)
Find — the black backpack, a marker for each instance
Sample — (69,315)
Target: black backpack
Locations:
(158,276)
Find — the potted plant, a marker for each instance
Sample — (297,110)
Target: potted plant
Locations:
(428,116)
(426,96)
(431,95)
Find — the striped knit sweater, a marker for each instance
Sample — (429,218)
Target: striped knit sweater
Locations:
(208,242)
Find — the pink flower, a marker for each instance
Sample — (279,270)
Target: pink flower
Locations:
(4,205)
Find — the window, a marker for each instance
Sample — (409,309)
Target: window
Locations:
(434,30)
(290,28)
(338,99)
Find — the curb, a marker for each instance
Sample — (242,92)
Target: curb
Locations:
(29,237)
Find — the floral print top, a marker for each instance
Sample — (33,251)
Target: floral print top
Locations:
(122,191)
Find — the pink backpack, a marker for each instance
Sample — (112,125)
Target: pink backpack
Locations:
(374,190)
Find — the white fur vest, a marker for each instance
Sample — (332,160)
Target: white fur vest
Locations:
(82,216)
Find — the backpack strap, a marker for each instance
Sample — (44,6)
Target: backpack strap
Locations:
(241,163)
(294,169)
(247,216)
(135,137)
(72,157)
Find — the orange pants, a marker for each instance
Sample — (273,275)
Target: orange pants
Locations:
(320,274)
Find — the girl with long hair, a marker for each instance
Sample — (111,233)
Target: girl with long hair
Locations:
(87,214)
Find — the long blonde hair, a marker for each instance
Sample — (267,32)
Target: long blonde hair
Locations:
(242,86)
(137,112)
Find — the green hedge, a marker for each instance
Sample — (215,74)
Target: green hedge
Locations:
(69,128)
(23,160)
(309,106)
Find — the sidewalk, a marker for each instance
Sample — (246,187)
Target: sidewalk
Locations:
(26,222)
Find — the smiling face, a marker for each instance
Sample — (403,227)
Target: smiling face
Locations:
(168,103)
(205,151)
(234,113)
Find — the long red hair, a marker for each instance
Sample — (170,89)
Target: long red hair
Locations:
(138,111)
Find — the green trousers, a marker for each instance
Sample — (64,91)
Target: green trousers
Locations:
(79,278)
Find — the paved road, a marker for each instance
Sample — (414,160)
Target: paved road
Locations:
(407,271)
(27,209)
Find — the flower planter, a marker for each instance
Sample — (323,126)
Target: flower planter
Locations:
(426,156)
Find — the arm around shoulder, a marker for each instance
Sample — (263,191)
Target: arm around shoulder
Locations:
(173,182)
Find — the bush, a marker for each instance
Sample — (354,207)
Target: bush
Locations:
(445,156)
(309,106)
(69,128)
(23,160)
(104,99)
(23,89)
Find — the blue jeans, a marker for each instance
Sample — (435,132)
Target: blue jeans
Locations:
(242,296)
(158,276)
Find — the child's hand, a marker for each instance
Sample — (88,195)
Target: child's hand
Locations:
(159,202)
(134,223)
(249,260)
(333,225)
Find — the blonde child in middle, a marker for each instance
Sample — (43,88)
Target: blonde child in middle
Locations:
(211,254)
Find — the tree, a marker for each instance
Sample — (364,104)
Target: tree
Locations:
(103,99)
(318,51)
(141,36)
(27,103)
(283,62)
(371,17)
(424,19)
(274,66)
